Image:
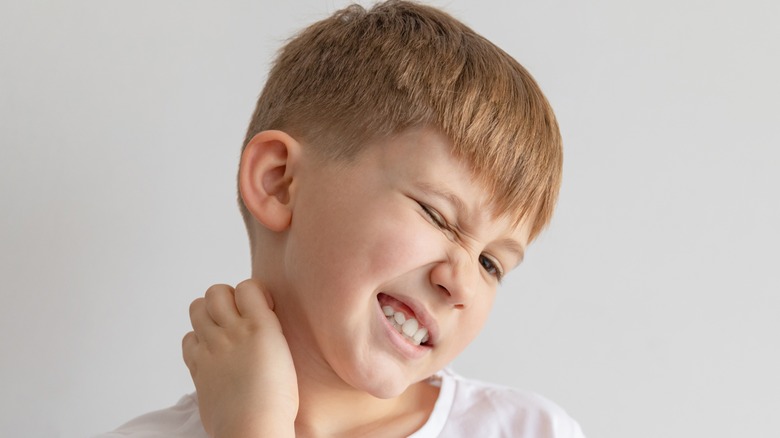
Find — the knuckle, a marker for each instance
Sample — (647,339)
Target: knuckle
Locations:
(188,345)
(217,289)
(189,339)
(195,304)
(247,284)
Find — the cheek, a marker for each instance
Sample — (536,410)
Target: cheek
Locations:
(347,249)
(472,323)
(401,243)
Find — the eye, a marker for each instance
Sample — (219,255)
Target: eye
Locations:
(434,216)
(491,266)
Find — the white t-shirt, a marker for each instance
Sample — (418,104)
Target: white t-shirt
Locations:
(465,409)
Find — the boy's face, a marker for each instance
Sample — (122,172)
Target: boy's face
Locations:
(403,227)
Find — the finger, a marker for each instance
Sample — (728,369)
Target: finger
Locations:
(251,300)
(189,346)
(201,321)
(221,305)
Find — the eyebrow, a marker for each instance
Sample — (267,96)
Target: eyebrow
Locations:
(460,206)
(511,245)
(514,247)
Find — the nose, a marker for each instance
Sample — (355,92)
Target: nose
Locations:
(455,278)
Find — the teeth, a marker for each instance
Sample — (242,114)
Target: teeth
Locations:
(410,328)
(420,335)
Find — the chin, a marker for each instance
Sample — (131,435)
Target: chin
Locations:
(387,391)
(380,382)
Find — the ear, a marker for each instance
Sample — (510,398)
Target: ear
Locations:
(265,178)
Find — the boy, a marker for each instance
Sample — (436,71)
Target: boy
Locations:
(396,167)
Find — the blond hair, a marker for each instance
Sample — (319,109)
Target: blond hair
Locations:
(363,75)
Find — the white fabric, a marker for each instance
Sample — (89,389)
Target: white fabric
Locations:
(464,409)
(468,408)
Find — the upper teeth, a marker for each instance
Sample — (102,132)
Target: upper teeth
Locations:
(407,327)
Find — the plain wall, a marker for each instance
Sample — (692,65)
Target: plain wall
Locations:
(650,308)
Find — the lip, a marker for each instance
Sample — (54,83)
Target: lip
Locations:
(420,313)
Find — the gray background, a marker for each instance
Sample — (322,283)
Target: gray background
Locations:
(649,309)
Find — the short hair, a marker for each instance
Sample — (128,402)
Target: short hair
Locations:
(361,75)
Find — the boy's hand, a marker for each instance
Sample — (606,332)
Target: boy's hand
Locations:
(241,364)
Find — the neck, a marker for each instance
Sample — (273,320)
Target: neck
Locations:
(329,406)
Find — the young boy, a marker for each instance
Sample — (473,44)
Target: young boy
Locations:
(396,167)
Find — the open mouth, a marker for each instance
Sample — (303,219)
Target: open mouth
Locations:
(404,320)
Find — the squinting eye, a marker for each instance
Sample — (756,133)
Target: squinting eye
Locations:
(434,216)
(490,266)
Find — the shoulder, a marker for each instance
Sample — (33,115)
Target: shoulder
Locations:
(496,410)
(180,420)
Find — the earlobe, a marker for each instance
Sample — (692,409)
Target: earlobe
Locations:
(265,178)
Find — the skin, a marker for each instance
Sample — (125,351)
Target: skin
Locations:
(304,343)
